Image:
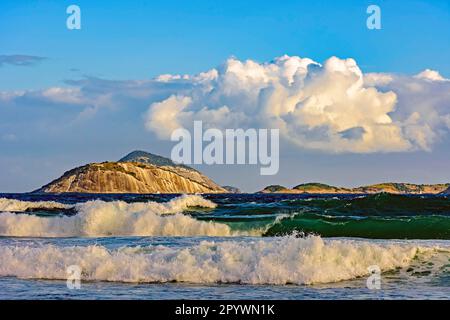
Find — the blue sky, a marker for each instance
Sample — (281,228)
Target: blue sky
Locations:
(139,40)
(123,41)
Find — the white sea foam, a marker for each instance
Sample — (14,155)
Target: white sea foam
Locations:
(117,218)
(276,261)
(21,206)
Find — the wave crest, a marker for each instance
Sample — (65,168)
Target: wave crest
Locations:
(14,205)
(117,218)
(287,260)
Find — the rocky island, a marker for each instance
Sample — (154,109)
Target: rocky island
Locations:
(138,172)
(143,172)
(394,188)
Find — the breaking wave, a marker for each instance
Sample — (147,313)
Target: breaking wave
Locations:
(286,260)
(374,227)
(116,218)
(381,216)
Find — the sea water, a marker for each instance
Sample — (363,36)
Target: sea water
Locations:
(224,246)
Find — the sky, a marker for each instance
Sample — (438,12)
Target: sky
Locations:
(354,106)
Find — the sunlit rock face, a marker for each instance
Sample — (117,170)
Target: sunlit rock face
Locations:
(133,176)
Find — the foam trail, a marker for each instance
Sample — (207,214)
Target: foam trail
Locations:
(117,218)
(22,206)
(278,261)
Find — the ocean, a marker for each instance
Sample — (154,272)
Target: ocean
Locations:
(225,246)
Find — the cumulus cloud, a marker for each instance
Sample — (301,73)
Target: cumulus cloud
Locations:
(331,107)
(20,60)
(423,111)
(431,75)
(374,79)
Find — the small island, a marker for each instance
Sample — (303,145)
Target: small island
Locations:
(142,172)
(138,172)
(394,188)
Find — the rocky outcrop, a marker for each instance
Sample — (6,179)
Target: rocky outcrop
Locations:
(316,188)
(150,158)
(232,189)
(319,188)
(133,176)
(394,188)
(275,188)
(404,188)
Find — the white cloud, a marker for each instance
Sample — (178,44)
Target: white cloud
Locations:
(332,107)
(166,112)
(374,79)
(64,95)
(431,75)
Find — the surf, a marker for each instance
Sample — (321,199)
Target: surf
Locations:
(388,227)
(115,218)
(381,216)
(276,261)
(14,205)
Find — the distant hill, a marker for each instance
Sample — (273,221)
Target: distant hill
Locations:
(150,158)
(275,188)
(138,172)
(403,188)
(396,188)
(232,189)
(315,187)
